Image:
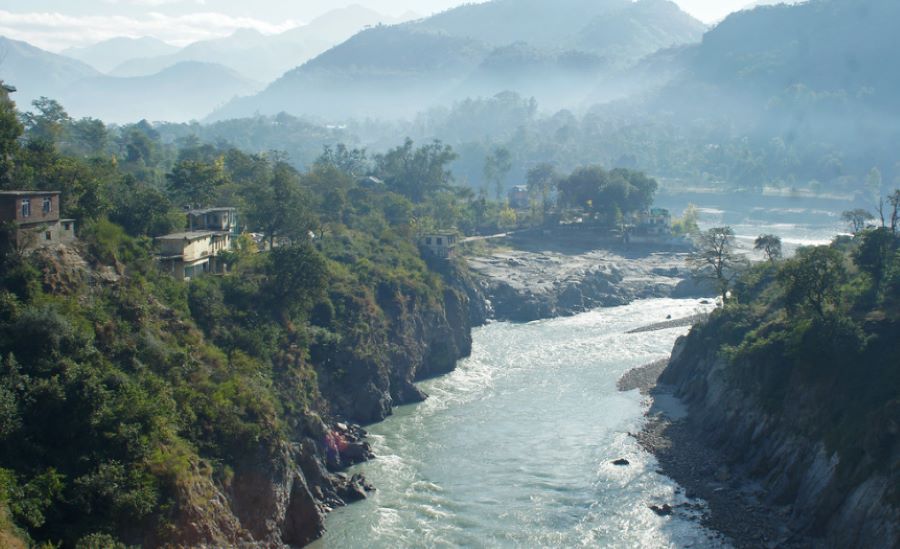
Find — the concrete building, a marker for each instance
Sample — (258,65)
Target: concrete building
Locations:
(35,216)
(439,244)
(190,254)
(197,251)
(214,219)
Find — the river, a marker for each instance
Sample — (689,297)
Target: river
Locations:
(514,448)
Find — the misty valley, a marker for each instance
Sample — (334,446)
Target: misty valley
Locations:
(512,273)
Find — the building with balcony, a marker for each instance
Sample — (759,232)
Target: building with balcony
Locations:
(190,254)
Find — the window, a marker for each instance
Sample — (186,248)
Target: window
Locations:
(48,235)
(440,241)
(26,207)
(67,226)
(48,205)
(428,241)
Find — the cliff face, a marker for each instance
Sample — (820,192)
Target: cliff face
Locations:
(415,337)
(237,465)
(848,501)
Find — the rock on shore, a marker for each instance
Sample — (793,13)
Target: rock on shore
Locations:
(535,283)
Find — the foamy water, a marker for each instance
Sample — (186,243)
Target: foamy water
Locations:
(514,448)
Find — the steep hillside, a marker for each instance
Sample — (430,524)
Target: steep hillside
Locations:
(819,67)
(105,56)
(182,92)
(36,72)
(386,71)
(798,386)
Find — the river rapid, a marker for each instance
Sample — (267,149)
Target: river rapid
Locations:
(515,447)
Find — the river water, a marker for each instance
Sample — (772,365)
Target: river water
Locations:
(514,448)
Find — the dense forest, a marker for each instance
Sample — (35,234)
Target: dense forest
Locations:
(123,391)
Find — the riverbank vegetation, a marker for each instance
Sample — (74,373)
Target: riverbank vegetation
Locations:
(812,339)
(122,390)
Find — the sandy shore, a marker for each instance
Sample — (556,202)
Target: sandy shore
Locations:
(734,504)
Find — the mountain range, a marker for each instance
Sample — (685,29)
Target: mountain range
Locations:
(183,92)
(260,57)
(556,52)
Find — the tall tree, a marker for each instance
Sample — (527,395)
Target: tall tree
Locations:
(416,173)
(770,245)
(542,181)
(48,122)
(10,131)
(812,279)
(194,183)
(277,206)
(857,219)
(715,259)
(497,166)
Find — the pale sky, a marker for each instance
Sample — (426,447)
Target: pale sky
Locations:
(57,24)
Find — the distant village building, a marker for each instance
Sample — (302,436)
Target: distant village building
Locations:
(655,222)
(439,244)
(197,251)
(518,197)
(35,217)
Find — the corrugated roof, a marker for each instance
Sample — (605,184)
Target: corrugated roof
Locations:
(188,235)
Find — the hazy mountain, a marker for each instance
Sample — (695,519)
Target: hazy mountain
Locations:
(639,29)
(383,71)
(105,56)
(260,57)
(186,91)
(36,72)
(552,51)
(829,57)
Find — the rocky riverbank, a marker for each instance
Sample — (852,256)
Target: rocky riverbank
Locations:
(526,280)
(735,505)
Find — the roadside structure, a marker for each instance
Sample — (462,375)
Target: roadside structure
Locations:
(439,243)
(34,219)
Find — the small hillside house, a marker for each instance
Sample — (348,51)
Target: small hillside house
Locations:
(518,197)
(197,251)
(35,216)
(214,219)
(438,244)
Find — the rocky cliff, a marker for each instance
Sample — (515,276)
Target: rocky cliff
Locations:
(837,497)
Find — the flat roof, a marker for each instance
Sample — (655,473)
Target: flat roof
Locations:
(210,210)
(188,235)
(28,193)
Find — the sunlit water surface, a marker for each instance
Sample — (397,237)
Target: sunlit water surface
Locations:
(514,448)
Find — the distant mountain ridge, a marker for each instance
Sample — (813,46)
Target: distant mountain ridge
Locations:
(183,92)
(260,57)
(478,49)
(105,56)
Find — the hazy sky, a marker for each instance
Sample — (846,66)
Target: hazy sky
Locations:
(57,24)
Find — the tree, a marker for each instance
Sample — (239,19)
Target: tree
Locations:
(812,279)
(277,206)
(769,244)
(10,131)
(194,183)
(894,201)
(873,254)
(353,162)
(857,219)
(416,173)
(715,259)
(496,167)
(541,181)
(48,123)
(297,277)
